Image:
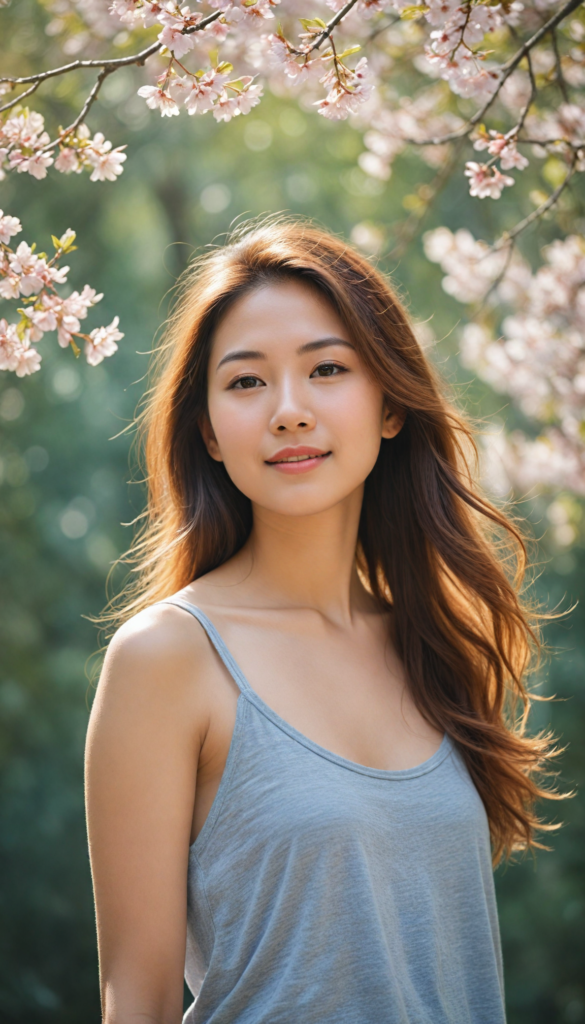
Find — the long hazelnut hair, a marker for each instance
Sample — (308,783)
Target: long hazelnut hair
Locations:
(430,545)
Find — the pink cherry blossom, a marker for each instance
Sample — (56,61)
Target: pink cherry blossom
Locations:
(35,165)
(9,286)
(503,147)
(44,315)
(174,22)
(345,98)
(28,360)
(68,161)
(16,353)
(440,11)
(67,326)
(239,101)
(260,8)
(23,272)
(198,94)
(102,342)
(486,181)
(157,99)
(8,342)
(25,129)
(537,356)
(106,162)
(510,157)
(250,96)
(31,269)
(9,226)
(136,12)
(78,303)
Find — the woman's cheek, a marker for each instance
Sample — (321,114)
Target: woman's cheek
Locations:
(239,433)
(358,423)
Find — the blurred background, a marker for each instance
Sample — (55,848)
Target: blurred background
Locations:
(65,492)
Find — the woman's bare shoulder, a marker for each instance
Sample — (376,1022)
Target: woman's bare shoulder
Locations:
(160,651)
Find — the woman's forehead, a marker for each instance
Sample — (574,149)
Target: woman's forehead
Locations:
(288,311)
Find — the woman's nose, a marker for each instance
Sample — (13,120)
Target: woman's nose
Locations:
(291,412)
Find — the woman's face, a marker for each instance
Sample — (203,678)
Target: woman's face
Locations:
(293,414)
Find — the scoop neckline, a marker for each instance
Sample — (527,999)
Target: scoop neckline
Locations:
(442,751)
(246,690)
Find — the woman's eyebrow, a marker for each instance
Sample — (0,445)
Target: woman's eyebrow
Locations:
(313,346)
(243,353)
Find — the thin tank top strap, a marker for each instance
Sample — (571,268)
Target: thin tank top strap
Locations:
(225,655)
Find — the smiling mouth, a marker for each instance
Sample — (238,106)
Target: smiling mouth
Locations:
(297,458)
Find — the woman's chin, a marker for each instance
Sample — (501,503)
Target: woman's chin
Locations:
(298,506)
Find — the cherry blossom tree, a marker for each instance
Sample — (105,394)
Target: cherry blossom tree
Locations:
(475,88)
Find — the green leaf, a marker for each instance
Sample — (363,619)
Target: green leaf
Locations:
(21,328)
(311,23)
(56,242)
(224,68)
(76,349)
(66,241)
(412,13)
(348,52)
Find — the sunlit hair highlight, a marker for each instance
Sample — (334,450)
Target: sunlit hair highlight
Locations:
(431,546)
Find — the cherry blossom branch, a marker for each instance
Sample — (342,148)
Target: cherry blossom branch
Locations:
(533,355)
(25,275)
(558,68)
(335,21)
(115,63)
(17,99)
(509,236)
(500,277)
(83,112)
(575,146)
(549,26)
(505,70)
(530,100)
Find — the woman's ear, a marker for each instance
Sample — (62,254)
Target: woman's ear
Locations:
(209,438)
(393,422)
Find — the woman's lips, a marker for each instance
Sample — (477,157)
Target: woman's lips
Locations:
(300,459)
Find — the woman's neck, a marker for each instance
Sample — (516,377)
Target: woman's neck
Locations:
(305,561)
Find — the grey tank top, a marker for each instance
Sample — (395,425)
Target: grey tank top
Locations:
(321,891)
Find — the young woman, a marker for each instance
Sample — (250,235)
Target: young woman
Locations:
(303,751)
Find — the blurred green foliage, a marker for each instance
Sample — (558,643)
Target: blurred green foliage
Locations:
(64,493)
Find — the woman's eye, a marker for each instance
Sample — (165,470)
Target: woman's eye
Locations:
(327,370)
(246,382)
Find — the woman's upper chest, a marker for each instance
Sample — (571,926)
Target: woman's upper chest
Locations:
(343,688)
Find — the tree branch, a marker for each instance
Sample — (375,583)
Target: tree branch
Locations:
(509,236)
(326,33)
(506,70)
(524,113)
(12,103)
(561,81)
(331,25)
(554,142)
(84,110)
(498,280)
(111,65)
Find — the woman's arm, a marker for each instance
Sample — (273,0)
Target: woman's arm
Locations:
(146,727)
